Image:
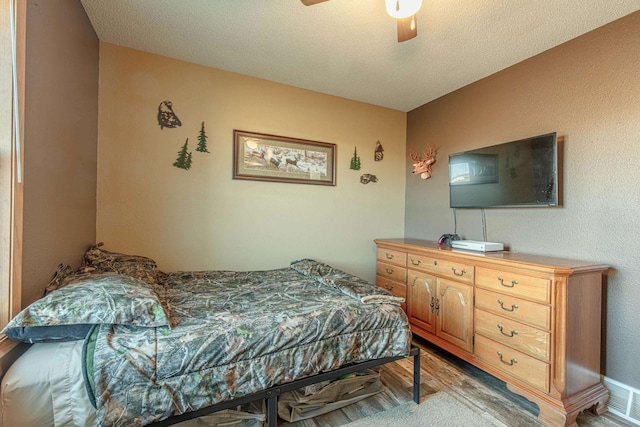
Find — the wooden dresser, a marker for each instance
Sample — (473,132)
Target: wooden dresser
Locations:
(532,321)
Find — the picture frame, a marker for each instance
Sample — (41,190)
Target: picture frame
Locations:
(264,157)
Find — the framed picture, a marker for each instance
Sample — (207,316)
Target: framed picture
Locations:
(262,157)
(468,169)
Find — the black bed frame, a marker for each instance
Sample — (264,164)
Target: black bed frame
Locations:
(271,394)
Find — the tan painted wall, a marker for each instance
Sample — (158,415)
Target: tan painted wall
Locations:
(587,90)
(202,218)
(60,140)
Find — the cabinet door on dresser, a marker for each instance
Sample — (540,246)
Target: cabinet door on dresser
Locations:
(421,300)
(454,310)
(442,307)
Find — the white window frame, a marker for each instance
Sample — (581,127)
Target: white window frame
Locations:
(10,187)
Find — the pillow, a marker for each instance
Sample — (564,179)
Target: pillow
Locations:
(89,299)
(140,267)
(314,269)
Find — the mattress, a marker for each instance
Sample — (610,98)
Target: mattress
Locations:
(45,387)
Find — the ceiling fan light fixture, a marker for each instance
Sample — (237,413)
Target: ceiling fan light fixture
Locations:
(402,8)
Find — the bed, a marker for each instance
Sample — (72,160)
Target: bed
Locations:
(131,345)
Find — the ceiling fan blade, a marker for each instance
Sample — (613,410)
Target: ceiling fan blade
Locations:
(311,2)
(407,28)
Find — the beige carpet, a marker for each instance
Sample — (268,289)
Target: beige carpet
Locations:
(440,409)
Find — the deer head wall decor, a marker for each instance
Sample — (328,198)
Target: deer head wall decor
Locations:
(423,167)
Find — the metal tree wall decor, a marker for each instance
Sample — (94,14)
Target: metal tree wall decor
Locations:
(355,160)
(202,140)
(184,157)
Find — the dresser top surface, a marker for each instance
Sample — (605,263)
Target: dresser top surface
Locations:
(531,259)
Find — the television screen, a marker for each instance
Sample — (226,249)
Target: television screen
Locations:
(518,173)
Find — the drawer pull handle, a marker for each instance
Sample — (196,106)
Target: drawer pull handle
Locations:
(413,261)
(389,287)
(513,306)
(510,363)
(513,282)
(388,255)
(511,334)
(435,262)
(462,273)
(389,270)
(437,307)
(431,305)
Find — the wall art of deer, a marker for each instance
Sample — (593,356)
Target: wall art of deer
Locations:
(423,166)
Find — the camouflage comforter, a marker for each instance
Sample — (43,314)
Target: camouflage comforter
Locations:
(235,333)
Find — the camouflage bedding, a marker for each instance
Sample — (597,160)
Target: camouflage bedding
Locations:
(235,333)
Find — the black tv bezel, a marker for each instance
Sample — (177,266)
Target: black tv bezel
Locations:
(556,174)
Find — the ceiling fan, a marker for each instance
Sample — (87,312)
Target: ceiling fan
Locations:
(403,10)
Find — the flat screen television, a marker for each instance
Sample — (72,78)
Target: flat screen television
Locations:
(521,173)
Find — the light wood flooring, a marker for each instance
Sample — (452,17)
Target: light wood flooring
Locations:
(441,371)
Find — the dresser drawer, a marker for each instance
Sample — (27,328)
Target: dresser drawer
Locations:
(396,288)
(518,285)
(538,315)
(454,270)
(519,336)
(389,256)
(392,272)
(513,362)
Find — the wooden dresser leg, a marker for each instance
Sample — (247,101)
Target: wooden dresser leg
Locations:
(549,415)
(595,399)
(601,406)
(552,416)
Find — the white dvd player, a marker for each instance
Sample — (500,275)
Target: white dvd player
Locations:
(476,245)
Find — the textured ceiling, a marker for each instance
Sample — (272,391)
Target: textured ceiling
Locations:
(348,48)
